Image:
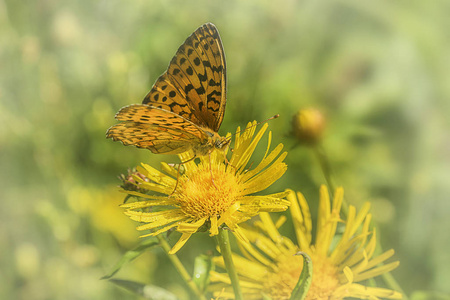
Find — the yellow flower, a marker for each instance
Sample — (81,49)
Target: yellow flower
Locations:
(210,193)
(271,267)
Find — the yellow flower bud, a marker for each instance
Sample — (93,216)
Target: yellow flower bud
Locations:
(308,125)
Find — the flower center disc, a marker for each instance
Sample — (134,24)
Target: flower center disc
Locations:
(201,196)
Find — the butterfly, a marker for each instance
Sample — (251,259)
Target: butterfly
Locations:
(186,105)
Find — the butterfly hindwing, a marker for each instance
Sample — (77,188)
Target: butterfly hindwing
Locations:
(155,138)
(142,113)
(150,127)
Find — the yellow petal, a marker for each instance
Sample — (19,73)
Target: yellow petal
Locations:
(183,239)
(190,227)
(265,162)
(214,230)
(265,178)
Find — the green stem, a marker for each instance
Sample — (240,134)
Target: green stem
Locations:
(180,268)
(326,170)
(225,250)
(324,165)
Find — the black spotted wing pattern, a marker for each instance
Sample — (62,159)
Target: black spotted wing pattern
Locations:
(185,104)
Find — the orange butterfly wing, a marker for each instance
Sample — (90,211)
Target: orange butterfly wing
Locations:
(194,85)
(156,129)
(184,104)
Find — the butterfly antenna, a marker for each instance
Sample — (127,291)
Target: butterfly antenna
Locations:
(266,120)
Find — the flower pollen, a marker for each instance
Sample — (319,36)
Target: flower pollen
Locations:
(280,284)
(201,196)
(325,279)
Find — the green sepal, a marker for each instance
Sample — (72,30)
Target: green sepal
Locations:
(304,282)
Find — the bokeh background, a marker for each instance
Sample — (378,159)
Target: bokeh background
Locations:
(378,70)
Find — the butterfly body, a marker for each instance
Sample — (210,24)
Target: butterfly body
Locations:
(186,105)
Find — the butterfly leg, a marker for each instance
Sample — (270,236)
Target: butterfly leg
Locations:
(229,164)
(249,167)
(176,184)
(178,173)
(210,170)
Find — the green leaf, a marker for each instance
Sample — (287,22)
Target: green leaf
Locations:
(202,266)
(301,289)
(132,254)
(147,291)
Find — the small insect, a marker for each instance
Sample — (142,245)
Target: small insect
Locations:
(186,105)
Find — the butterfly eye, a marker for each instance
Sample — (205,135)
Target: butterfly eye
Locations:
(210,134)
(222,143)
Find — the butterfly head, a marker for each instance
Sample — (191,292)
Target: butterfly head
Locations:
(212,141)
(221,142)
(216,141)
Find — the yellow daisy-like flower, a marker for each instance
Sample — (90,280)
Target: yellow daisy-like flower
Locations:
(271,267)
(210,193)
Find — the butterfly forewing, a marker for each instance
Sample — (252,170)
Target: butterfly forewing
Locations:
(185,104)
(216,87)
(166,96)
(195,81)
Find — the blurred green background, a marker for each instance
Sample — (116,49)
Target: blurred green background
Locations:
(379,71)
